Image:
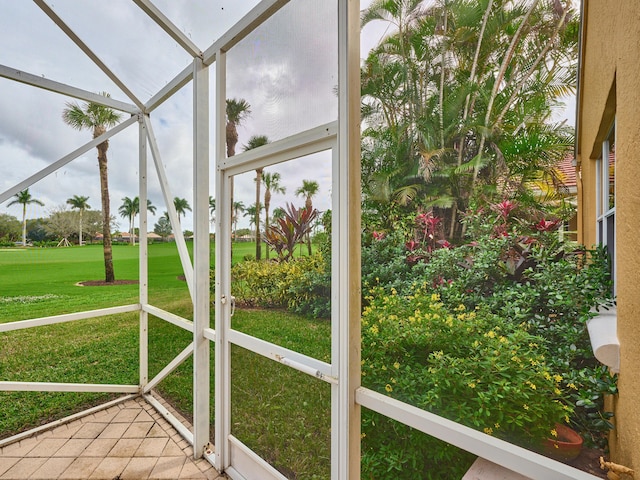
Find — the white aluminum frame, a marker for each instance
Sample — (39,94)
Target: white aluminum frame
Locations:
(343,374)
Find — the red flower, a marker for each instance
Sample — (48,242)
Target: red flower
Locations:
(546,225)
(504,208)
(411,245)
(378,235)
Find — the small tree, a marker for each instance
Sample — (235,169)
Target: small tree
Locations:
(24,198)
(163,226)
(80,203)
(290,230)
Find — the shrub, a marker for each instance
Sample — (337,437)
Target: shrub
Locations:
(291,284)
(523,273)
(470,366)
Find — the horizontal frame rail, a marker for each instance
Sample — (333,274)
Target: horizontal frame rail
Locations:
(172,318)
(67,387)
(295,360)
(310,141)
(512,457)
(68,317)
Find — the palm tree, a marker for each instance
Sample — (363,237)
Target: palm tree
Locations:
(24,198)
(254,215)
(97,118)
(237,208)
(237,111)
(130,209)
(255,142)
(309,189)
(271,184)
(182,206)
(79,202)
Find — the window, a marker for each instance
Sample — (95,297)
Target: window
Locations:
(606,198)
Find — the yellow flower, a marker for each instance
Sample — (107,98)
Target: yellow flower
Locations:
(488,430)
(435,297)
(557,378)
(362,435)
(525,406)
(572,385)
(490,334)
(557,391)
(388,388)
(471,385)
(384,367)
(396,365)
(374,329)
(497,425)
(554,433)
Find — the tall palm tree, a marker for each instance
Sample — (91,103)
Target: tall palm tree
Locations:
(237,208)
(309,189)
(182,205)
(252,212)
(80,203)
(271,184)
(24,198)
(255,142)
(97,118)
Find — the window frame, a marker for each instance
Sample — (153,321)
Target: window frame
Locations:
(605,212)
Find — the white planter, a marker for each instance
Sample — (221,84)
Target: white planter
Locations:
(604,338)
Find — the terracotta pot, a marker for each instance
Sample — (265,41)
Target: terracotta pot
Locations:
(566,446)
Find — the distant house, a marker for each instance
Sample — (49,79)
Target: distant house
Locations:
(607,157)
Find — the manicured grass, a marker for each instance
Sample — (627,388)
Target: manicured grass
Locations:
(282,414)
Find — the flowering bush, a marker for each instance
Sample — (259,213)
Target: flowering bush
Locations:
(290,284)
(470,366)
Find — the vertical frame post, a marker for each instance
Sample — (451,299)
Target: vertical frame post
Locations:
(348,239)
(223,276)
(143,249)
(201,249)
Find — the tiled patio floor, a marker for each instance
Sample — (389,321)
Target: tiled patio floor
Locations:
(127,441)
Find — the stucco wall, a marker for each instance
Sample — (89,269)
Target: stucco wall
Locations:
(610,82)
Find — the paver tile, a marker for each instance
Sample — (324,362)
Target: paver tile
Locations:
(20,449)
(126,415)
(52,468)
(138,430)
(167,468)
(157,431)
(90,430)
(125,447)
(191,471)
(7,462)
(23,468)
(81,468)
(66,431)
(46,447)
(114,430)
(109,468)
(151,447)
(172,450)
(143,416)
(139,468)
(100,447)
(73,447)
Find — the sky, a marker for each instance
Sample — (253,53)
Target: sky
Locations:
(286,71)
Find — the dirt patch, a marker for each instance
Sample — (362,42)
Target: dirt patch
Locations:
(102,283)
(589,461)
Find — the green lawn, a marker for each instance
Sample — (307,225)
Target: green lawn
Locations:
(282,414)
